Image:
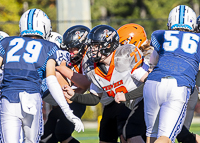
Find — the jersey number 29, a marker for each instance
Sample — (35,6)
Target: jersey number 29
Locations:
(31,55)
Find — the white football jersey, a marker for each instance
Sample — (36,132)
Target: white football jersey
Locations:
(121,75)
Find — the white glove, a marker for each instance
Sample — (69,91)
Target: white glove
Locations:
(75,120)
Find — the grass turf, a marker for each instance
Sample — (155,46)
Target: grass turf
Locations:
(91,135)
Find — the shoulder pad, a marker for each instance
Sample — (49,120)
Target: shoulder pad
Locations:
(126,57)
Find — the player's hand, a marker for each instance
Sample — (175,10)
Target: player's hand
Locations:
(120,96)
(68,91)
(76,121)
(62,64)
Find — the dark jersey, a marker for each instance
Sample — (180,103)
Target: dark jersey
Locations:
(24,62)
(179,56)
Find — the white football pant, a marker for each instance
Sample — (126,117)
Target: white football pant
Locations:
(13,119)
(165,107)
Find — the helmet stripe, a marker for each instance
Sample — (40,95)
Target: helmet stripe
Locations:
(30,19)
(181,14)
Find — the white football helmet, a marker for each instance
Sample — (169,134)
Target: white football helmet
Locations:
(35,22)
(3,35)
(183,17)
(56,38)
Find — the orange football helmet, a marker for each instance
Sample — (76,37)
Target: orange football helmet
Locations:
(132,34)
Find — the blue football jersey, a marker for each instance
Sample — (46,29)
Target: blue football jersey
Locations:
(179,56)
(61,54)
(24,62)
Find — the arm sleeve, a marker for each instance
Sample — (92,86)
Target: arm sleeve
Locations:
(138,92)
(154,59)
(57,93)
(86,99)
(138,73)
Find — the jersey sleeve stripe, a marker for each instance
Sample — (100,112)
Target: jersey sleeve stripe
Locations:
(155,43)
(137,65)
(134,54)
(136,50)
(2,51)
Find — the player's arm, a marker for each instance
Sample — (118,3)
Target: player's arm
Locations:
(92,98)
(138,92)
(57,93)
(62,81)
(154,59)
(54,86)
(78,79)
(139,74)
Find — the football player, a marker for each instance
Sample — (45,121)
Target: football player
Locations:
(27,58)
(2,35)
(135,34)
(130,33)
(112,69)
(81,81)
(170,84)
(73,41)
(185,136)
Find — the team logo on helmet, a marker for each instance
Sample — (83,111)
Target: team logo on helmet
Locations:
(78,34)
(105,34)
(83,37)
(59,39)
(108,35)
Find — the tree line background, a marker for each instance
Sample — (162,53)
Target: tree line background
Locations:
(151,14)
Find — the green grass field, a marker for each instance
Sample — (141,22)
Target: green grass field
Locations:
(91,135)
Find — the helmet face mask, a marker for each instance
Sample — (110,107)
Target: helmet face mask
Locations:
(182,17)
(105,39)
(96,52)
(76,54)
(35,22)
(75,37)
